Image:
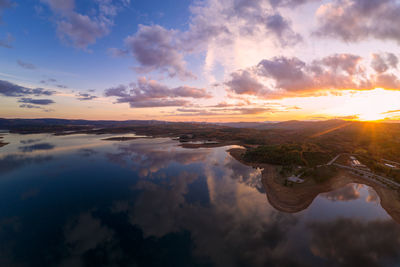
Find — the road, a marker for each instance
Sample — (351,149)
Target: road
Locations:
(333,160)
(371,176)
(365,174)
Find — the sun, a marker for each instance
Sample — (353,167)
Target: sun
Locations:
(371,115)
(370,105)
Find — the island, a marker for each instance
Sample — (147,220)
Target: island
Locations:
(1,142)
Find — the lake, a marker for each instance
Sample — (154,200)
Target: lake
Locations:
(77,200)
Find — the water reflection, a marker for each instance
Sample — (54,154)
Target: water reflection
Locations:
(41,146)
(347,193)
(149,157)
(349,242)
(149,202)
(15,161)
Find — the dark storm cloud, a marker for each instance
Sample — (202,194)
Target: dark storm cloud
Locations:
(26,65)
(36,101)
(149,93)
(356,20)
(14,90)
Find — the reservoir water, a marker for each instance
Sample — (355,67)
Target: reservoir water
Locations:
(77,200)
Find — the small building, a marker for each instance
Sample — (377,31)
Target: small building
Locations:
(295,179)
(390,165)
(355,163)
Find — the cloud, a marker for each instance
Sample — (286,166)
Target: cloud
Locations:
(115,52)
(80,29)
(281,28)
(149,159)
(213,24)
(60,6)
(391,111)
(224,19)
(347,193)
(150,93)
(14,161)
(226,111)
(26,65)
(29,106)
(356,20)
(85,96)
(246,82)
(224,104)
(84,234)
(14,90)
(290,77)
(383,62)
(155,48)
(36,101)
(371,244)
(290,3)
(36,147)
(7,42)
(3,5)
(349,117)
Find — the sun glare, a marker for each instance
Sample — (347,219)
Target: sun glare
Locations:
(371,116)
(367,105)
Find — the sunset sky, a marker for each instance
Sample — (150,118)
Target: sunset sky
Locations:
(209,60)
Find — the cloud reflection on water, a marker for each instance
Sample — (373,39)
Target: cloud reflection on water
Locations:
(160,203)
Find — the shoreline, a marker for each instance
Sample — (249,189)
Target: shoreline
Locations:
(299,197)
(2,143)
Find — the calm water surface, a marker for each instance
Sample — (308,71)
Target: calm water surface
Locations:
(80,201)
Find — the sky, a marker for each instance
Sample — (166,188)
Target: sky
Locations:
(200,60)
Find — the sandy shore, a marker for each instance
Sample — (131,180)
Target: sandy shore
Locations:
(124,138)
(299,197)
(205,145)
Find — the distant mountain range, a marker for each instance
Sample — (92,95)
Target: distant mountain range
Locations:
(286,125)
